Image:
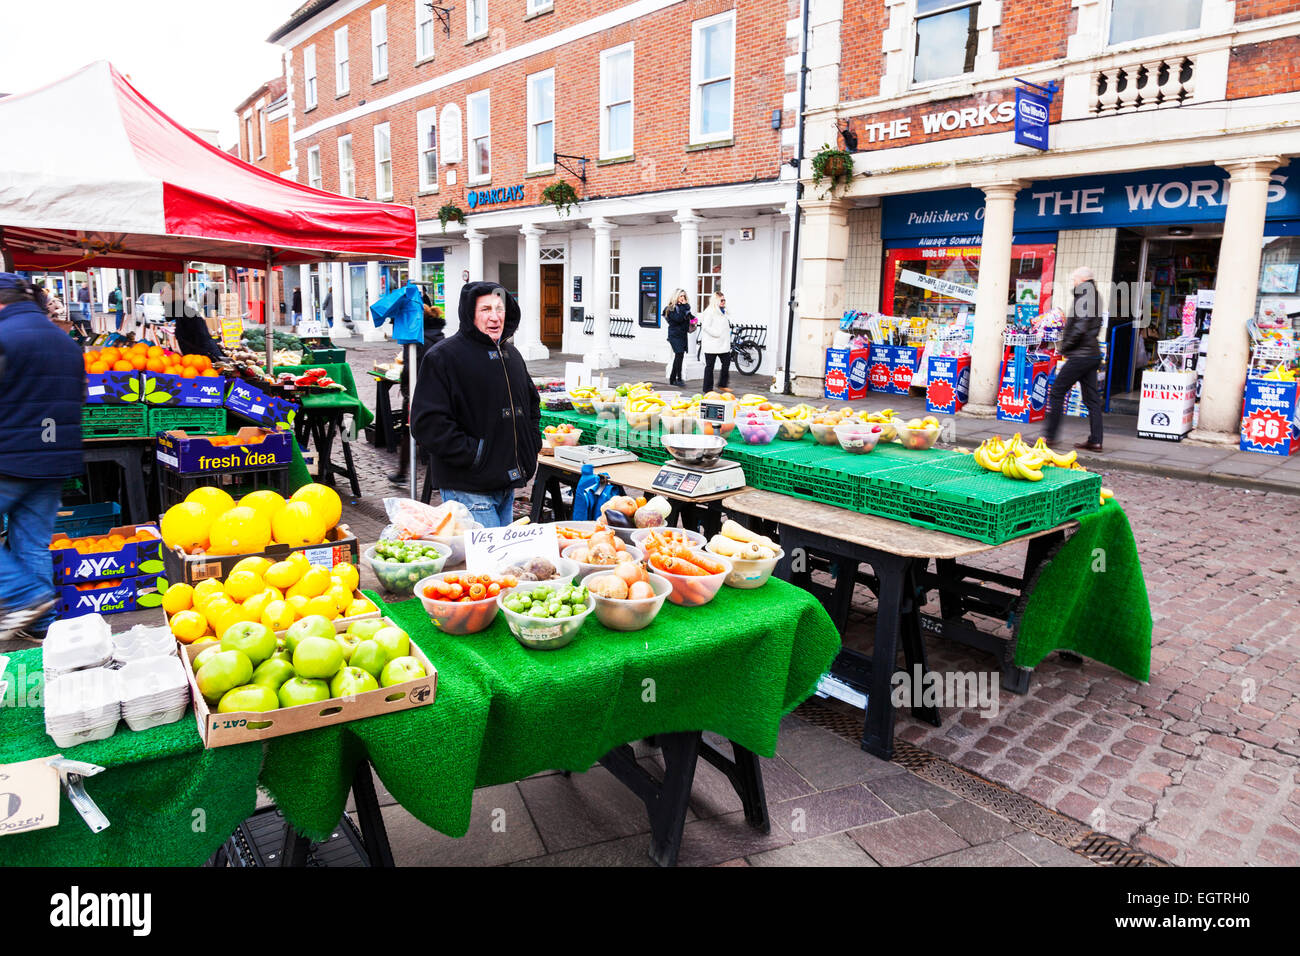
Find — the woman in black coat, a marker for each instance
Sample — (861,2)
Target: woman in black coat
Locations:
(679,318)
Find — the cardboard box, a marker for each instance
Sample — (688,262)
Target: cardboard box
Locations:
(340,547)
(1166,406)
(109,597)
(948,383)
(1022,395)
(1270,418)
(73,567)
(113,388)
(203,391)
(197,455)
(880,376)
(249,401)
(223,730)
(846,373)
(904,361)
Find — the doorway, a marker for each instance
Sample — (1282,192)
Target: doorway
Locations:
(553,306)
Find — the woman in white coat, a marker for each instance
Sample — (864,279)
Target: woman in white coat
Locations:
(715,340)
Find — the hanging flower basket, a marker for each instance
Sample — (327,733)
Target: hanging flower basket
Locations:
(832,166)
(561,196)
(449,212)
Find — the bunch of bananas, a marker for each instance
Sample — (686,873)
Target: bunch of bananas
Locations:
(1015,459)
(752,400)
(1281,373)
(630,389)
(585,391)
(877,418)
(796,413)
(645,403)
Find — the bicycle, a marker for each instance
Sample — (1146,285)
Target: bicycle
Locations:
(746,347)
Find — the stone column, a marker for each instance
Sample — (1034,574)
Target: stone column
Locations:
(368,331)
(689,256)
(304,286)
(528,339)
(791,211)
(338,303)
(1228,348)
(823,247)
(601,354)
(991,294)
(475,254)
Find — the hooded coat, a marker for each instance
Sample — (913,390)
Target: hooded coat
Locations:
(1083,323)
(475,407)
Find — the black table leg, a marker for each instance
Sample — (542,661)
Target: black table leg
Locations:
(352,468)
(665,802)
(878,729)
(296,847)
(914,656)
(538,495)
(746,776)
(371,819)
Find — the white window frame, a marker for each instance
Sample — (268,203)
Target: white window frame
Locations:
(379,44)
(248,137)
(476,10)
(342,81)
(697,60)
(309,77)
(476,175)
(538,6)
(348,169)
(313,175)
(1169,36)
(539,163)
(423,20)
(426,122)
(912,82)
(615,271)
(387,137)
(715,278)
(605,55)
(261,132)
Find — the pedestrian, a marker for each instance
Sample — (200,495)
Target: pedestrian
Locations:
(680,321)
(715,340)
(83,309)
(433,334)
(193,337)
(1082,354)
(476,410)
(54,308)
(115,306)
(42,391)
(297,305)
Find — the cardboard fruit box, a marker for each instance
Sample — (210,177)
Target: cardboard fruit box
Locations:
(73,567)
(223,730)
(202,391)
(339,547)
(249,401)
(197,454)
(109,597)
(112,388)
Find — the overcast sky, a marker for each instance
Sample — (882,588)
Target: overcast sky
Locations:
(197,61)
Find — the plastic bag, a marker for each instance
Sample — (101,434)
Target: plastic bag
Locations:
(414,519)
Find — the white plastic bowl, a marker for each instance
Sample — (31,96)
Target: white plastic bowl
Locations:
(917,439)
(584,568)
(695,590)
(693,538)
(456,617)
(543,633)
(400,578)
(629,615)
(566,571)
(747,574)
(857,439)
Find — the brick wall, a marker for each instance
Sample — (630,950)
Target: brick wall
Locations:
(860,37)
(1032,31)
(661,90)
(1259,69)
(277,153)
(1258,9)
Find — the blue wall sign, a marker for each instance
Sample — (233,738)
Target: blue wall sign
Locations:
(489,197)
(1033,118)
(1155,197)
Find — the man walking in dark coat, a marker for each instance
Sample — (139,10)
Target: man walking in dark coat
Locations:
(1082,354)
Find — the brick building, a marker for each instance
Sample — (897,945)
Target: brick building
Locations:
(264,128)
(1170,171)
(670,119)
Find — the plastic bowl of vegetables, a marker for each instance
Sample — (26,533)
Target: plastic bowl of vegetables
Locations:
(543,616)
(400,565)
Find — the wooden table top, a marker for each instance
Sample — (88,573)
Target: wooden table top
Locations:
(634,474)
(868,531)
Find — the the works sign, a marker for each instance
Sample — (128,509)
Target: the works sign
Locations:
(490,197)
(982,113)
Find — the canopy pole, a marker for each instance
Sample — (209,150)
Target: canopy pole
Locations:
(413,463)
(266,316)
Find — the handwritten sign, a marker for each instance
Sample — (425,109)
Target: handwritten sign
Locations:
(487,549)
(29,796)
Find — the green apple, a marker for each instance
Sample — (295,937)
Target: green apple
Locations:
(349,644)
(318,657)
(282,653)
(225,671)
(370,657)
(351,681)
(300,690)
(256,641)
(313,625)
(204,656)
(272,673)
(401,669)
(368,628)
(248,697)
(394,641)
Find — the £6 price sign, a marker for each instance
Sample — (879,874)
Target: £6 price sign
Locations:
(1267,423)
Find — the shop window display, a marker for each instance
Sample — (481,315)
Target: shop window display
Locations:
(939,282)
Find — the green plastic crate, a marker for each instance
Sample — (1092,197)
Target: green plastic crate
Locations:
(1074,493)
(114,421)
(194,421)
(988,507)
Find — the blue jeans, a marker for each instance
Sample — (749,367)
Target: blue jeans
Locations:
(491,511)
(26,566)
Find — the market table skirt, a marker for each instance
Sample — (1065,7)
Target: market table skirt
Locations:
(503,713)
(169,802)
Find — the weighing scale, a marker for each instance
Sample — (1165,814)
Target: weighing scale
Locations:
(593,454)
(696,471)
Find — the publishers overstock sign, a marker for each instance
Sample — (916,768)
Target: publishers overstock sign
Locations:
(1032,118)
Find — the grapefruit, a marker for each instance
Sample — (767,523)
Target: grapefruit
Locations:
(266,502)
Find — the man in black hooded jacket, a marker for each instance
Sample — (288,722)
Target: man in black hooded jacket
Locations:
(476,409)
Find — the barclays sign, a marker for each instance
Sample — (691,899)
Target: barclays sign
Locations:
(490,197)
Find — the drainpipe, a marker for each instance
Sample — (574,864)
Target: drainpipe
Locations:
(798,193)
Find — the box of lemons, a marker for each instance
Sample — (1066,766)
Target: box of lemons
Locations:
(310,685)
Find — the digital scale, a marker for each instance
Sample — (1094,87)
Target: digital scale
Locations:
(696,471)
(593,454)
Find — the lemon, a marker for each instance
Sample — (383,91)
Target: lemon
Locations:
(179,597)
(266,503)
(204,591)
(296,524)
(227,618)
(299,604)
(254,562)
(278,615)
(340,595)
(242,585)
(283,574)
(256,604)
(324,501)
(237,531)
(323,605)
(347,575)
(314,582)
(215,606)
(212,500)
(188,626)
(299,558)
(186,526)
(358,607)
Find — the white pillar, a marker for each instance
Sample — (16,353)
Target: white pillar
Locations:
(601,354)
(304,285)
(475,254)
(823,246)
(338,303)
(688,258)
(791,211)
(991,294)
(1228,348)
(368,331)
(528,338)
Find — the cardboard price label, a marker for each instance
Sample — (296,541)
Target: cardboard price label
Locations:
(232,329)
(29,796)
(486,549)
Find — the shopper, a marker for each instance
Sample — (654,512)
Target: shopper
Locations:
(192,334)
(42,390)
(476,410)
(58,314)
(115,306)
(715,339)
(680,319)
(1082,354)
(297,306)
(433,334)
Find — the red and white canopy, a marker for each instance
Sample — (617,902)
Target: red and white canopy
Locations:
(92,173)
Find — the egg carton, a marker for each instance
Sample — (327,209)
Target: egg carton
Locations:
(74,644)
(142,642)
(82,706)
(153,691)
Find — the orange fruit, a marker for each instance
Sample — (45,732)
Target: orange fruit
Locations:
(123,366)
(210,373)
(138,362)
(99,368)
(109,355)
(155,351)
(154,365)
(190,372)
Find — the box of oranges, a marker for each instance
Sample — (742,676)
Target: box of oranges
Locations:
(120,553)
(206,389)
(248,449)
(109,597)
(116,375)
